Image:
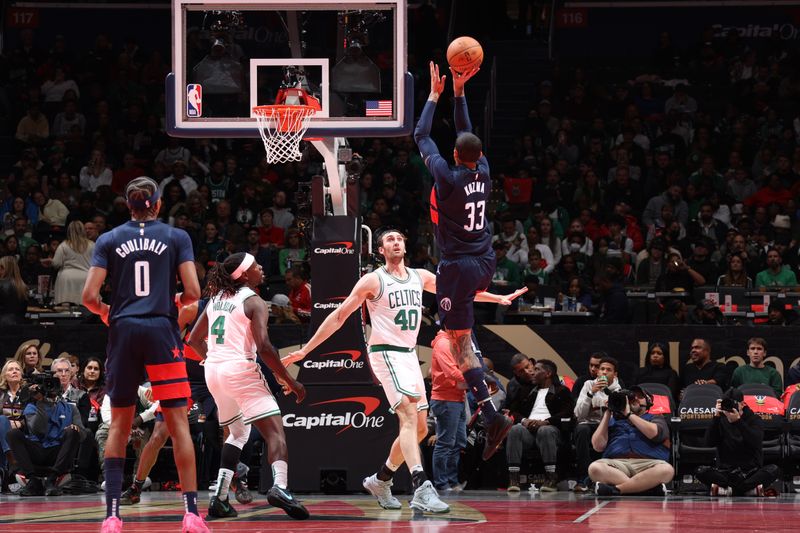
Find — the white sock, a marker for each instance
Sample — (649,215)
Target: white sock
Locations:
(416,468)
(223,483)
(280,474)
(391,466)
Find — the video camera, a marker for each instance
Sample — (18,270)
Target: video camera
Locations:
(47,383)
(617,400)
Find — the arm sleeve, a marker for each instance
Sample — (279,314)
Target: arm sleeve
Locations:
(77,420)
(712,433)
(583,403)
(58,257)
(776,383)
(566,406)
(663,429)
(427,148)
(461,116)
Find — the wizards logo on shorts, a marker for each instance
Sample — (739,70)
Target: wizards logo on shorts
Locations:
(194,100)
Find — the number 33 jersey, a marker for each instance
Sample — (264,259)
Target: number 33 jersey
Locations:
(459,202)
(142,260)
(229,334)
(396,311)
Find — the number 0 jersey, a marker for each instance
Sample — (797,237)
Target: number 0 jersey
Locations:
(142,260)
(229,335)
(396,310)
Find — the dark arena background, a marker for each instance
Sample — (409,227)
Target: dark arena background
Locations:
(645,169)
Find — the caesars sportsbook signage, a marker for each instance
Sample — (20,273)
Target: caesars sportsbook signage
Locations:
(335,265)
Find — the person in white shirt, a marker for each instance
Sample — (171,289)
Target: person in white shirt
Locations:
(95,173)
(552,403)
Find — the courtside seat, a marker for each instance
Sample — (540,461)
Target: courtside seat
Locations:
(792,450)
(696,412)
(763,401)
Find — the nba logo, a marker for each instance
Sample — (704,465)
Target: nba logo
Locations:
(194,100)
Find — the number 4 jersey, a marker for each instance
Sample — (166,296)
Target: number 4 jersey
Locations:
(142,260)
(396,310)
(229,334)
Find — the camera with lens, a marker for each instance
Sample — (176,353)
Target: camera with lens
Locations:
(47,383)
(618,400)
(728,404)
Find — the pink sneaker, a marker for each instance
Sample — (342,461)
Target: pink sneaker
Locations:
(194,524)
(112,524)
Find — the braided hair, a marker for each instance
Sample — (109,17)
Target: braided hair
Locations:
(219,280)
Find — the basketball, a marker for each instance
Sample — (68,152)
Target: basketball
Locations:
(464,54)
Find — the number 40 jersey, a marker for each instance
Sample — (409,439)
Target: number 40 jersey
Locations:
(396,310)
(142,260)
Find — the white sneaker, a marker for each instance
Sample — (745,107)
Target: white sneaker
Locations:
(382,490)
(426,499)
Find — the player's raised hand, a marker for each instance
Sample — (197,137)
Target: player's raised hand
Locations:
(437,81)
(508,298)
(293,358)
(460,79)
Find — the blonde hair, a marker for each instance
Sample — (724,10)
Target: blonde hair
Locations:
(20,355)
(11,273)
(3,383)
(76,236)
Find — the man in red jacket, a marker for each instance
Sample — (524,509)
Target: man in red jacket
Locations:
(447,405)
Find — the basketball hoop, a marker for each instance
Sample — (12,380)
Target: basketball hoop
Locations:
(282,128)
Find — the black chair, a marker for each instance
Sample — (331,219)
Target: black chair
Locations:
(696,413)
(792,450)
(774,424)
(659,389)
(757,389)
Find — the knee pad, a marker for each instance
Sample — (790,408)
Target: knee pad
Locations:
(239,433)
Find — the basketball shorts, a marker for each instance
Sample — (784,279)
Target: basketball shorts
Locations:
(398,372)
(142,348)
(457,282)
(240,391)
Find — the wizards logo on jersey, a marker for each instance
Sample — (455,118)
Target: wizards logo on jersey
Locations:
(194,100)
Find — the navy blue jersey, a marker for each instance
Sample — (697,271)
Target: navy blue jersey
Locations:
(142,261)
(460,196)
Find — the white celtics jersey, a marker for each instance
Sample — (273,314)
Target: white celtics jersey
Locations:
(396,311)
(229,334)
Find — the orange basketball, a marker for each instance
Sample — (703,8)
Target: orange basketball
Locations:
(464,54)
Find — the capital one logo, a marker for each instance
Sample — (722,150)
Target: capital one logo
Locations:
(359,417)
(332,303)
(335,248)
(343,363)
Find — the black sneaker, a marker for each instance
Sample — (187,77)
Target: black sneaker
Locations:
(282,498)
(131,496)
(219,508)
(606,489)
(496,433)
(51,487)
(240,490)
(33,488)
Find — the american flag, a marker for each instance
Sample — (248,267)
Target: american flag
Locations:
(379,108)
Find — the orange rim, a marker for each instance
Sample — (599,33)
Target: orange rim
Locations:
(281,114)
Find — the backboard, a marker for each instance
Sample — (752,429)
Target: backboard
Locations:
(232,55)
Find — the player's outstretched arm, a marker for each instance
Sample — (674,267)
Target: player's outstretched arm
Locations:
(256,310)
(429,285)
(91,293)
(197,338)
(422,133)
(366,287)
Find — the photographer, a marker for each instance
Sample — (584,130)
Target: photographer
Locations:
(55,431)
(738,436)
(635,446)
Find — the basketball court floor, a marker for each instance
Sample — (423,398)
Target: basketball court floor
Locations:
(472,511)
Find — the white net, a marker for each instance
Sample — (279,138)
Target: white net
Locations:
(282,128)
